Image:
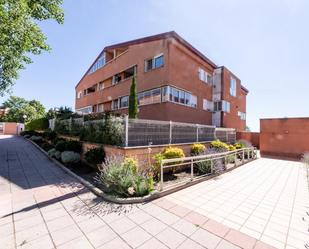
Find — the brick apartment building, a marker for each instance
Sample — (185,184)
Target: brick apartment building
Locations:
(174,82)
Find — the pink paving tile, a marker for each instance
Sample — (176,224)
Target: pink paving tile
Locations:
(196,218)
(179,210)
(240,239)
(226,245)
(262,245)
(166,204)
(66,234)
(216,228)
(78,243)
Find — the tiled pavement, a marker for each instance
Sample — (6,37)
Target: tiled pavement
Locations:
(42,207)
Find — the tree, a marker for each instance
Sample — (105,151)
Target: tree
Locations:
(23,111)
(20,34)
(133,100)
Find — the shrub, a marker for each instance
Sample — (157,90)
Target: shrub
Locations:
(167,153)
(232,147)
(46,146)
(54,153)
(71,145)
(219,145)
(36,138)
(119,177)
(61,145)
(30,133)
(70,157)
(197,149)
(38,124)
(49,135)
(204,167)
(95,155)
(240,144)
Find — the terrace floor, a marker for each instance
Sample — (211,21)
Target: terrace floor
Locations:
(256,205)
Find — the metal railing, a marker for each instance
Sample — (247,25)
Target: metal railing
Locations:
(218,162)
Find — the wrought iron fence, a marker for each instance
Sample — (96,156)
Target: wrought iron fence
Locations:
(205,165)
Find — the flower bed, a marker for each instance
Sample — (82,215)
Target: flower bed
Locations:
(121,179)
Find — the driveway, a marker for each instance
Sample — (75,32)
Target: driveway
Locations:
(260,204)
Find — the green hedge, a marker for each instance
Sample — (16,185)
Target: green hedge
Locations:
(38,124)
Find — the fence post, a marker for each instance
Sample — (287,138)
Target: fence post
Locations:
(243,155)
(161,176)
(235,159)
(170,132)
(126,131)
(191,169)
(196,132)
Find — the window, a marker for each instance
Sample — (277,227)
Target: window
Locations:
(100,86)
(208,105)
(204,76)
(155,62)
(85,92)
(222,106)
(242,115)
(100,62)
(149,97)
(84,110)
(178,96)
(115,104)
(233,86)
(100,108)
(79,94)
(116,79)
(124,102)
(158,61)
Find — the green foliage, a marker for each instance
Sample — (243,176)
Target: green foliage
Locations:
(217,144)
(30,133)
(204,167)
(61,146)
(49,135)
(120,177)
(243,144)
(54,153)
(22,111)
(71,145)
(38,124)
(20,34)
(95,155)
(197,148)
(36,138)
(70,157)
(167,153)
(231,147)
(46,146)
(133,100)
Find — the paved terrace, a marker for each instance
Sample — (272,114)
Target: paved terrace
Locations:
(260,204)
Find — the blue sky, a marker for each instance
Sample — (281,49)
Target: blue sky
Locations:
(265,43)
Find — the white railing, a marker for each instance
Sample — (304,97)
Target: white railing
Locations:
(218,162)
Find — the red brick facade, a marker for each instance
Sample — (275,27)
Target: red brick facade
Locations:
(174,63)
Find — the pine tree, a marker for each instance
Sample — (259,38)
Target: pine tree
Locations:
(133,100)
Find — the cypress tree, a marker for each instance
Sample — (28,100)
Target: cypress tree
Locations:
(133,100)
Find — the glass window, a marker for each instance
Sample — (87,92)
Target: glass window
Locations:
(100,62)
(175,95)
(124,102)
(100,108)
(158,61)
(149,97)
(204,76)
(208,105)
(115,104)
(148,65)
(155,62)
(165,93)
(233,86)
(100,86)
(187,98)
(182,97)
(193,102)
